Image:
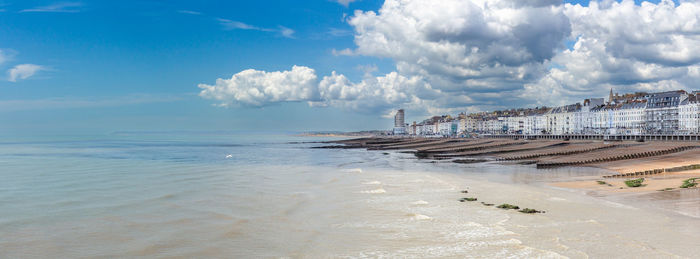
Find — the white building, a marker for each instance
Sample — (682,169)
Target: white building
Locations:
(689,116)
(399,125)
(674,112)
(628,118)
(661,113)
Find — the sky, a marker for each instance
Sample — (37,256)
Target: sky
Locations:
(86,67)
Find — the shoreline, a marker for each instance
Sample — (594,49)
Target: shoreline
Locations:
(622,159)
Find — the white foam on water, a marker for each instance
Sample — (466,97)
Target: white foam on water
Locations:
(375,191)
(372,183)
(420,202)
(353,170)
(229,156)
(593,221)
(618,205)
(415,216)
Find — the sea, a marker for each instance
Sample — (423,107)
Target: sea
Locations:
(244,195)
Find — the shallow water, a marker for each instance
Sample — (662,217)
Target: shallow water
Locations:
(260,196)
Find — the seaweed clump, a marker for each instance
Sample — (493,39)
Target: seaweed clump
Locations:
(507,206)
(689,183)
(530,211)
(634,183)
(467,199)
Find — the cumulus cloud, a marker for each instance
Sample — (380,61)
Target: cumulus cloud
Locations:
(628,47)
(376,93)
(259,88)
(457,55)
(464,46)
(22,71)
(373,94)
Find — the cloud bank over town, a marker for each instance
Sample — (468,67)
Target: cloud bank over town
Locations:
(459,55)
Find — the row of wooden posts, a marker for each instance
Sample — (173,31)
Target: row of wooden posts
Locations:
(561,153)
(656,171)
(614,158)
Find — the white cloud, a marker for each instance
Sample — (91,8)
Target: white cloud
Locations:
(259,88)
(22,71)
(456,55)
(464,46)
(376,94)
(189,12)
(335,32)
(342,52)
(628,47)
(61,7)
(4,56)
(232,25)
(345,3)
(236,25)
(371,95)
(286,32)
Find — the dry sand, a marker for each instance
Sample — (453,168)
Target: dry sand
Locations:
(653,182)
(617,185)
(688,157)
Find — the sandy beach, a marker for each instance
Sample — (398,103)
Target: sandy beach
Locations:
(658,163)
(666,181)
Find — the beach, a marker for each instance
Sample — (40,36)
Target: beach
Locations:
(280,196)
(663,165)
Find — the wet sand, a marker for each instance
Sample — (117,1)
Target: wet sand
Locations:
(624,160)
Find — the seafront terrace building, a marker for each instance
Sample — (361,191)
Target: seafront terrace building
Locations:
(663,113)
(689,115)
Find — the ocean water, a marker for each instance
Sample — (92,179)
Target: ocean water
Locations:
(272,196)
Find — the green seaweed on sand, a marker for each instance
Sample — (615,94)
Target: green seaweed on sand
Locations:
(530,211)
(507,206)
(688,183)
(465,191)
(665,189)
(601,182)
(487,204)
(467,199)
(634,182)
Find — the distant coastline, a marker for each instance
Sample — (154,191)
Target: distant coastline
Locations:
(355,134)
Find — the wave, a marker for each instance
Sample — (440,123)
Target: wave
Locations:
(375,191)
(415,216)
(353,170)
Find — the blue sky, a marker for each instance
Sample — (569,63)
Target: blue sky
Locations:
(105,66)
(158,52)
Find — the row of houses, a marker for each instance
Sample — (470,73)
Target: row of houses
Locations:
(673,112)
